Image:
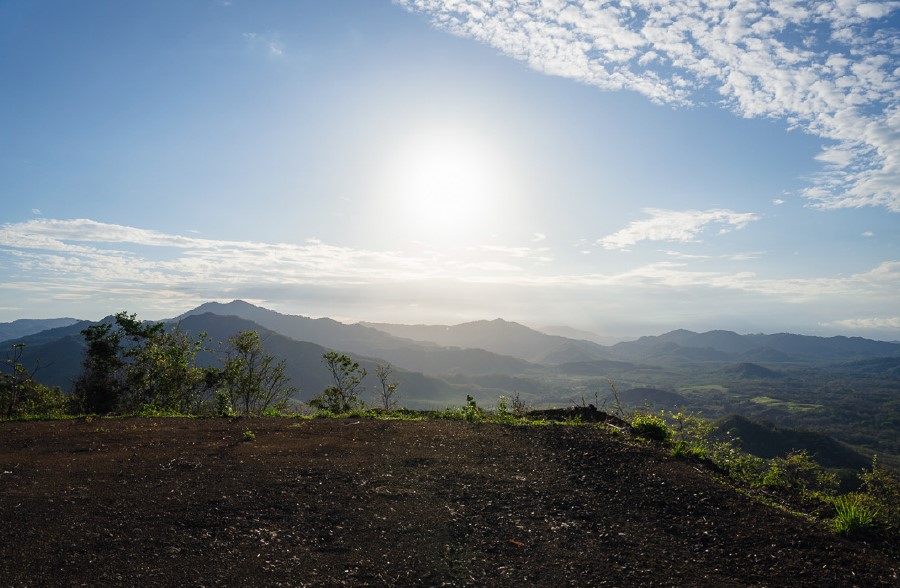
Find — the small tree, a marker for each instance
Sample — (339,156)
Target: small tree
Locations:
(253,380)
(21,395)
(346,376)
(102,379)
(12,384)
(131,365)
(163,371)
(388,391)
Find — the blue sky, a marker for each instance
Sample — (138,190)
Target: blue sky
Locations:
(624,167)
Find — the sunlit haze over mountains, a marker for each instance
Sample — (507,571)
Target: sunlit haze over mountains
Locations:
(625,168)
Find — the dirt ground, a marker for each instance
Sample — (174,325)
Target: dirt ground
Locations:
(181,502)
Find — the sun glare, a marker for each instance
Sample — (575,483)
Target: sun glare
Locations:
(443,184)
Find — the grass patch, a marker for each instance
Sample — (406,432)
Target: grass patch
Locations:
(770,402)
(853,514)
(704,388)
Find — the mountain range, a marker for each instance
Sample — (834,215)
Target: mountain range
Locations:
(24,327)
(489,357)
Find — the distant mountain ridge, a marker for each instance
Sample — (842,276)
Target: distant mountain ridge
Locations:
(24,327)
(503,337)
(429,346)
(682,344)
(362,340)
(484,349)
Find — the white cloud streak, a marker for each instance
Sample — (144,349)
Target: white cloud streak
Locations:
(828,67)
(680,226)
(67,261)
(868,324)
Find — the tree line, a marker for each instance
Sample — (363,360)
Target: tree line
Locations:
(135,367)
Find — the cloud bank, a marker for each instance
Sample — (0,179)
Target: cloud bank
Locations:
(826,67)
(81,265)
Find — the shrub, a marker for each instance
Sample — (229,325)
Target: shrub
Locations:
(882,489)
(651,426)
(691,435)
(798,472)
(471,412)
(223,404)
(21,396)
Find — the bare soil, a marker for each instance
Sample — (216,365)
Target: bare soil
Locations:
(182,502)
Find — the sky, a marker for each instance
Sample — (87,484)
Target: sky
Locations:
(625,167)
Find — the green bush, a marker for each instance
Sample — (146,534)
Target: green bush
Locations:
(882,489)
(651,426)
(223,404)
(798,472)
(691,435)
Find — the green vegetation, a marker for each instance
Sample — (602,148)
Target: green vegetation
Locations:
(853,513)
(797,472)
(248,435)
(388,388)
(785,405)
(23,397)
(134,367)
(798,481)
(145,369)
(690,435)
(881,490)
(251,379)
(346,375)
(651,426)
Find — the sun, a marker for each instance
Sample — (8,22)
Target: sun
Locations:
(444,184)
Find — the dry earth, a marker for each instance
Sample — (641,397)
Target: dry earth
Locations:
(181,502)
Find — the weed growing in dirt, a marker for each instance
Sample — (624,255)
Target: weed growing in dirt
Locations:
(248,436)
(152,410)
(470,412)
(853,513)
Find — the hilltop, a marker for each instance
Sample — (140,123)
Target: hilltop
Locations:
(327,502)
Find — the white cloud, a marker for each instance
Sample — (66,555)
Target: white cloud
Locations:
(826,67)
(778,202)
(538,237)
(866,324)
(684,226)
(78,264)
(746,256)
(36,211)
(269,42)
(537,254)
(868,234)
